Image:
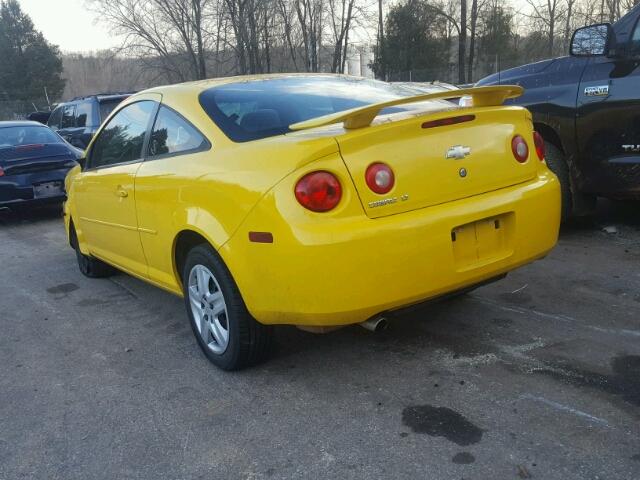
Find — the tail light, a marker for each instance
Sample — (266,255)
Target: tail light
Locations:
(319,191)
(1,172)
(539,143)
(380,178)
(520,149)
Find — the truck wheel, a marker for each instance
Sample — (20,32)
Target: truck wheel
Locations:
(558,165)
(89,266)
(227,334)
(574,204)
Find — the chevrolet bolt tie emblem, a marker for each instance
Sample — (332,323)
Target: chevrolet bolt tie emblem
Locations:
(458,152)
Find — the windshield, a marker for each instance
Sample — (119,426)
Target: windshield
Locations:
(27,135)
(262,108)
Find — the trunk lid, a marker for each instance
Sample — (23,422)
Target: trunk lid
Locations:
(439,164)
(17,160)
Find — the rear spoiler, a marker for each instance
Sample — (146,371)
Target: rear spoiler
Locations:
(363,116)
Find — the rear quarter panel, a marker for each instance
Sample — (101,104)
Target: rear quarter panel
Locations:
(210,192)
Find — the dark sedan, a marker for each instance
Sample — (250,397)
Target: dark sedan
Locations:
(34,161)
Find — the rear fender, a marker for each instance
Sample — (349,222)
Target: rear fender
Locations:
(290,225)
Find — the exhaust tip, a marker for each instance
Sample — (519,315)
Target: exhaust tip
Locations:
(375,325)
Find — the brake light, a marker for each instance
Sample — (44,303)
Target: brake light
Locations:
(520,149)
(319,191)
(539,143)
(443,122)
(31,146)
(1,172)
(380,178)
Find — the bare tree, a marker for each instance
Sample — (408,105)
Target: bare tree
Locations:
(340,19)
(473,29)
(286,12)
(547,13)
(568,18)
(167,33)
(310,18)
(462,33)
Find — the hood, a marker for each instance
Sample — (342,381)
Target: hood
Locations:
(510,76)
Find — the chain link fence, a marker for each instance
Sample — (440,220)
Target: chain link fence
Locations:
(18,109)
(449,73)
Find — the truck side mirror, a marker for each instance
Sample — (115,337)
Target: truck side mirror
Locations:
(593,40)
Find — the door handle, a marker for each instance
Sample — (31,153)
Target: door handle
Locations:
(122,193)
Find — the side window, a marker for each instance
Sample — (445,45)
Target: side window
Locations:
(635,40)
(173,134)
(83,115)
(122,139)
(68,116)
(55,118)
(106,107)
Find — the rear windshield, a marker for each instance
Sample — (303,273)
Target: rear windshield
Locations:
(108,106)
(263,108)
(27,135)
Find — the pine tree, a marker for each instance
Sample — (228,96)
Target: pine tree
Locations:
(28,63)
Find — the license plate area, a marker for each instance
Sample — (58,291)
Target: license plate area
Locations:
(48,189)
(483,241)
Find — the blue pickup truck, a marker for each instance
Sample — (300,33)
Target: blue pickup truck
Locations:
(587,108)
(78,120)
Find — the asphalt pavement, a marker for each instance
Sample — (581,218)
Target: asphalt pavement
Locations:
(535,376)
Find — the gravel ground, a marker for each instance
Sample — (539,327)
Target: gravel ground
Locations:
(535,376)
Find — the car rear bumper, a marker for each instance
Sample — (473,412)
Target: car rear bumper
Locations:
(346,272)
(18,190)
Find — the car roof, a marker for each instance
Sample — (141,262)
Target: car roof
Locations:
(100,97)
(21,123)
(199,86)
(115,96)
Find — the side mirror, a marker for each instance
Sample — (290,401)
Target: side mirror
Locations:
(594,40)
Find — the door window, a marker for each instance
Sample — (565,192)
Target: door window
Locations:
(122,139)
(83,115)
(635,40)
(56,118)
(173,134)
(108,106)
(68,116)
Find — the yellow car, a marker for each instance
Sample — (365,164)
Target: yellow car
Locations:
(310,200)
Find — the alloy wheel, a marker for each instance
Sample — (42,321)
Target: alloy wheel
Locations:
(209,309)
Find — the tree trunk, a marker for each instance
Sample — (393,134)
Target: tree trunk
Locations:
(380,51)
(567,24)
(462,41)
(472,39)
(202,64)
(346,36)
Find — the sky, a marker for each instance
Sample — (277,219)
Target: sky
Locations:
(75,28)
(69,24)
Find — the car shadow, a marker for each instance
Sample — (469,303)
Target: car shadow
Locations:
(610,217)
(459,327)
(10,217)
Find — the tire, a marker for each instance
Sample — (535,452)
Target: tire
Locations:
(89,266)
(574,203)
(232,338)
(558,165)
